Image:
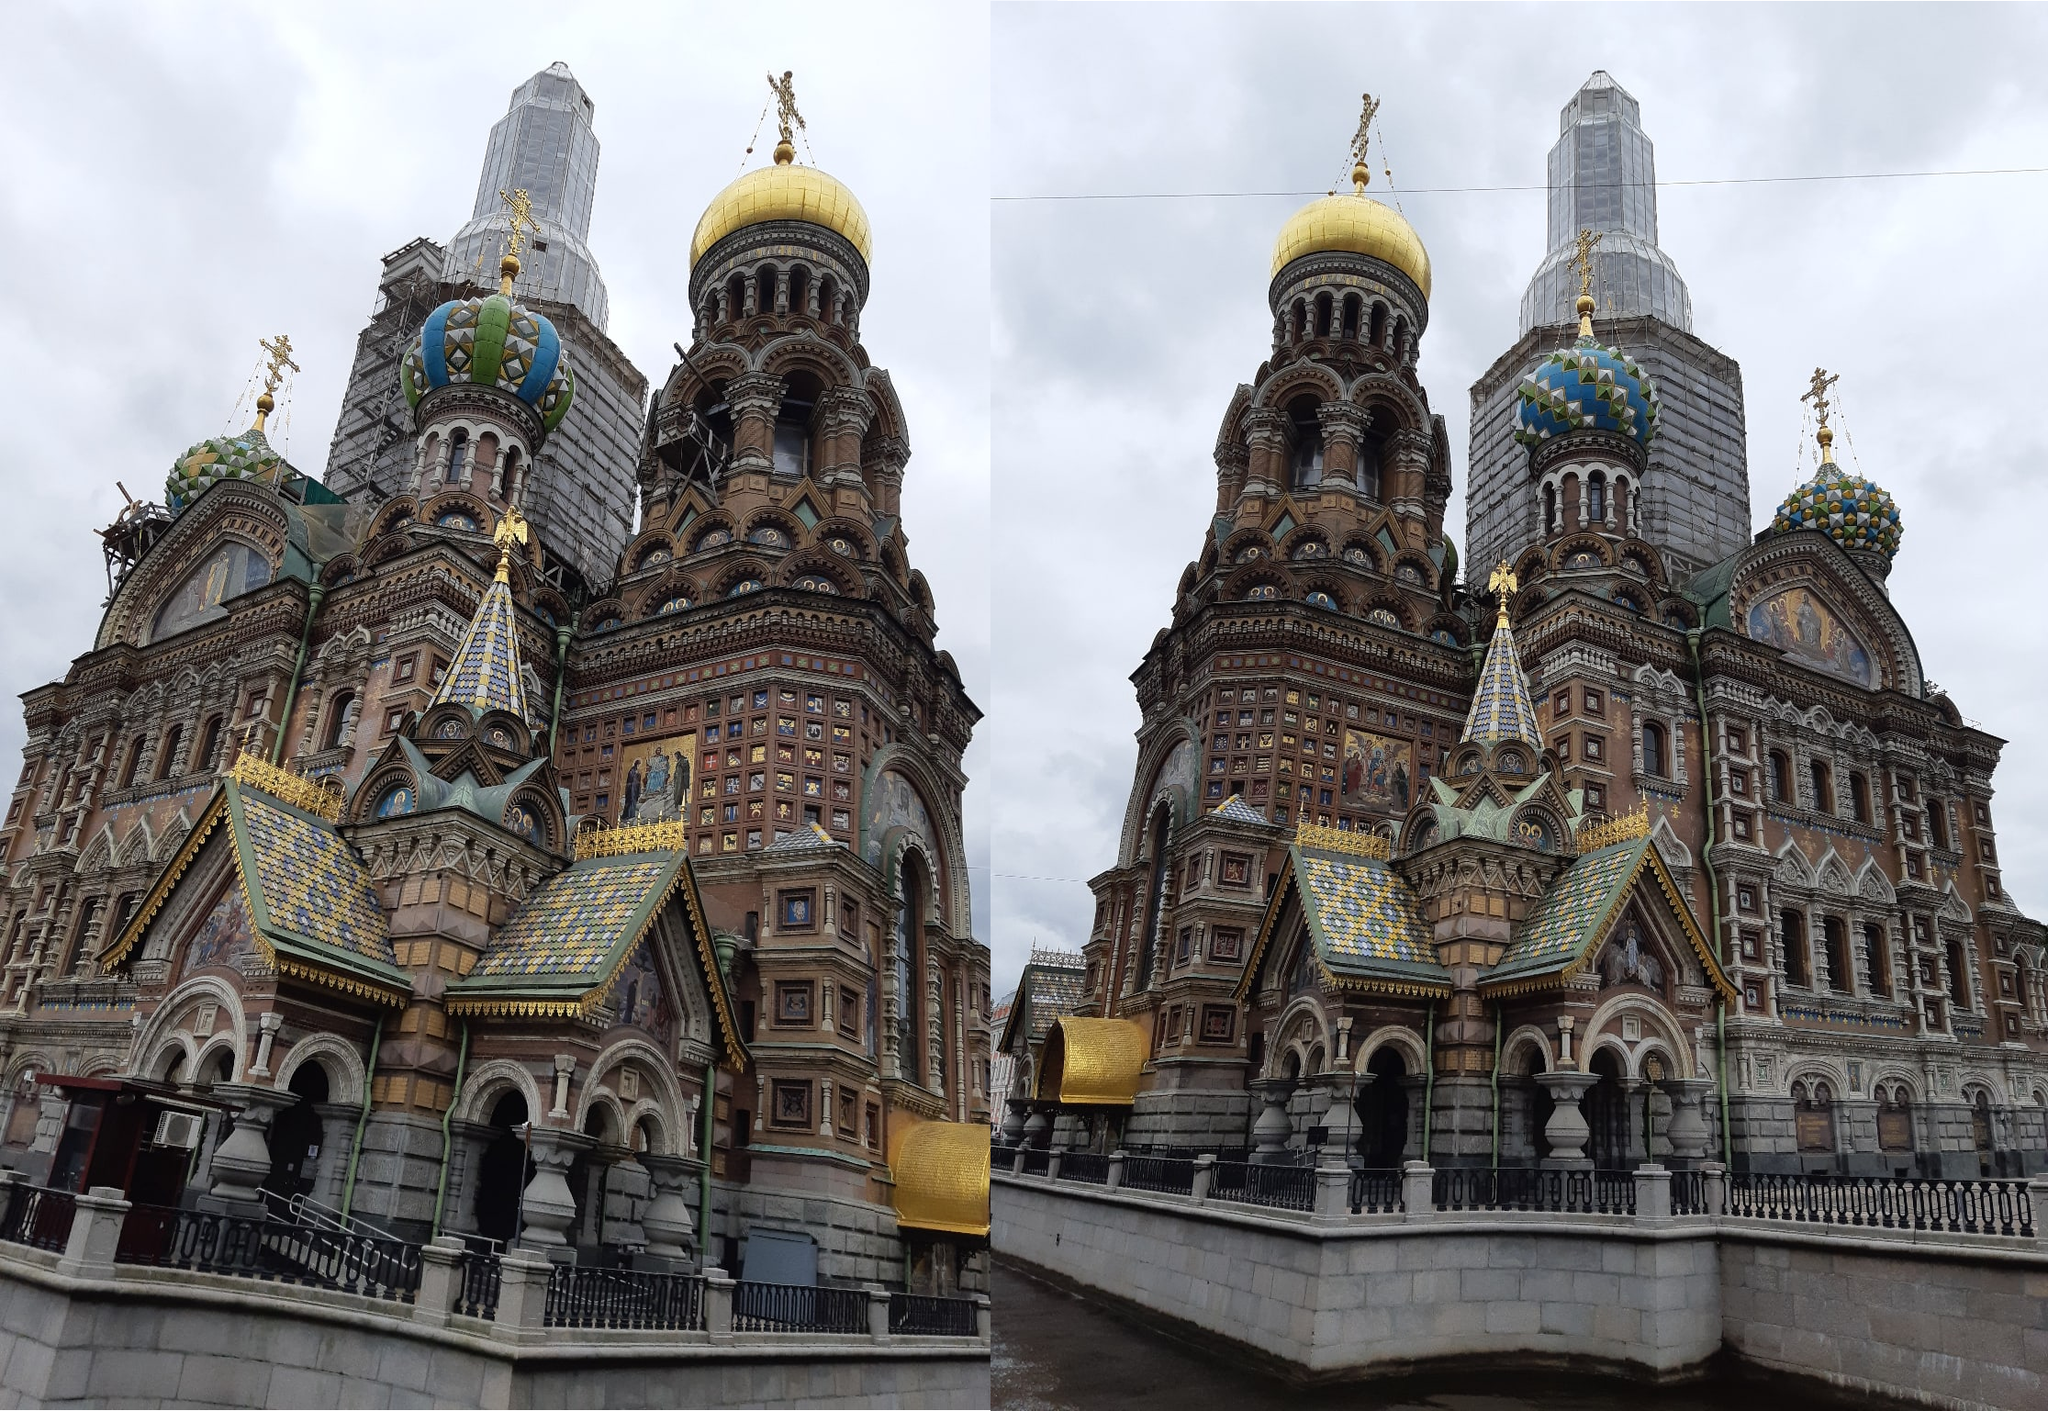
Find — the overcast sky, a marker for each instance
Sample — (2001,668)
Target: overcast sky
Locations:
(184,179)
(1122,326)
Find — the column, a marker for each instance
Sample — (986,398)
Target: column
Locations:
(242,1162)
(670,1226)
(1566,1132)
(1688,1131)
(1343,433)
(547,1209)
(754,399)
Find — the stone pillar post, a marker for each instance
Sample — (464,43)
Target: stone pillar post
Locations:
(1113,1179)
(242,1162)
(1052,1163)
(267,1026)
(1653,1192)
(1714,1186)
(1333,1192)
(1688,1131)
(2037,1193)
(95,1233)
(671,1230)
(522,1294)
(1204,1179)
(1418,1190)
(878,1312)
(440,1278)
(718,1304)
(984,1322)
(1566,1131)
(546,1208)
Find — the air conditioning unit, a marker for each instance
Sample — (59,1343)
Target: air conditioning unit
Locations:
(178,1129)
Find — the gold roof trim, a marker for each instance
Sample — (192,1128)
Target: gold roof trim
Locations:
(941,1171)
(602,841)
(1625,829)
(1312,835)
(288,788)
(1100,1061)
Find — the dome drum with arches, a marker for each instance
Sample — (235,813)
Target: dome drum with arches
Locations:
(491,342)
(1586,387)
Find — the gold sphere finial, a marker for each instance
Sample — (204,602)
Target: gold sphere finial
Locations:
(508,270)
(785,153)
(1361,177)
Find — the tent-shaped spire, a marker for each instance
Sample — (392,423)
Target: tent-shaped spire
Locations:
(485,673)
(1501,708)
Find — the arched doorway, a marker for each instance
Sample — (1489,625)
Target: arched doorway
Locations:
(502,1172)
(1382,1108)
(1606,1111)
(295,1134)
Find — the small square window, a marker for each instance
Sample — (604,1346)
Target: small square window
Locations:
(1745,898)
(1738,740)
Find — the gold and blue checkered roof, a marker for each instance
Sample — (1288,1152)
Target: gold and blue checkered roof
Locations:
(1366,920)
(1501,709)
(485,673)
(1238,811)
(1573,915)
(305,879)
(577,926)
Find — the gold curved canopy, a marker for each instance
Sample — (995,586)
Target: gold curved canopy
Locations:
(941,1171)
(1091,1062)
(785,191)
(1355,223)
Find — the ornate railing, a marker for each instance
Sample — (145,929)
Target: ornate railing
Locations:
(37,1216)
(798,1308)
(582,1297)
(1251,1183)
(916,1313)
(478,1278)
(1522,1188)
(1375,1192)
(1089,1166)
(1967,1207)
(1171,1175)
(1035,1160)
(1688,1193)
(266,1249)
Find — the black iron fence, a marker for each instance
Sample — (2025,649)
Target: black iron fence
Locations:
(1089,1166)
(798,1308)
(1251,1183)
(266,1249)
(1969,1207)
(933,1317)
(587,1297)
(1525,1188)
(479,1276)
(1375,1192)
(1172,1175)
(1035,1159)
(1688,1193)
(37,1216)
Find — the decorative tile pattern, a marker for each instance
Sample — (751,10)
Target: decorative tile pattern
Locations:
(808,838)
(1568,917)
(1238,811)
(1586,387)
(492,342)
(1501,709)
(245,457)
(1847,508)
(1366,916)
(575,925)
(309,880)
(485,673)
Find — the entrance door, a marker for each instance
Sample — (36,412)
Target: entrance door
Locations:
(295,1135)
(502,1173)
(1382,1109)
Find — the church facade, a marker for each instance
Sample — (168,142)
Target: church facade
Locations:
(549,827)
(1649,839)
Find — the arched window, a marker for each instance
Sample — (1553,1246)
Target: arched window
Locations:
(1305,457)
(1877,959)
(508,483)
(458,450)
(1823,786)
(828,299)
(341,720)
(1937,823)
(799,290)
(1781,777)
(1323,308)
(167,760)
(1834,941)
(909,967)
(1958,976)
(1655,760)
(132,763)
(1351,310)
(1596,498)
(1550,509)
(1379,325)
(209,746)
(1300,319)
(764,290)
(1792,934)
(1621,505)
(735,298)
(1859,798)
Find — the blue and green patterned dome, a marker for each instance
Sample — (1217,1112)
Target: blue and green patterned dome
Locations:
(248,456)
(491,342)
(1587,387)
(1847,508)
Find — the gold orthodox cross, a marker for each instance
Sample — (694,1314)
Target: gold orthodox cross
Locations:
(1817,392)
(1361,173)
(521,203)
(787,118)
(1583,261)
(280,350)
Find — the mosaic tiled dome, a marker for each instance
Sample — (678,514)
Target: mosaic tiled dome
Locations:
(1847,508)
(1586,387)
(245,457)
(491,342)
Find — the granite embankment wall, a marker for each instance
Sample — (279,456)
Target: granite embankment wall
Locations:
(1953,1320)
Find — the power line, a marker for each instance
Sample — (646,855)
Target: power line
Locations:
(1532,186)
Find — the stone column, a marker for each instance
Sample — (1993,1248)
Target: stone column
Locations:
(1566,1131)
(1343,433)
(1266,468)
(267,1026)
(242,1162)
(1013,1122)
(522,1295)
(671,1229)
(546,1208)
(1271,1132)
(1688,1131)
(754,398)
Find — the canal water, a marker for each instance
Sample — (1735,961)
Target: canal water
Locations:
(1058,1351)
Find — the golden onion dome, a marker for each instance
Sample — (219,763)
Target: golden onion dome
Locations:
(1356,224)
(784,191)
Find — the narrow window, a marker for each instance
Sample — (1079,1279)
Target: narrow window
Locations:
(1823,788)
(1859,797)
(1877,959)
(1781,777)
(1654,761)
(1792,934)
(1596,498)
(458,448)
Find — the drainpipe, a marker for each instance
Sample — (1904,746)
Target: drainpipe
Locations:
(1428,1076)
(291,694)
(1497,1021)
(704,1174)
(447,1122)
(1699,686)
(355,1152)
(562,635)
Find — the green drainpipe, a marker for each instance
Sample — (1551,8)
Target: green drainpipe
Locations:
(1428,1076)
(1497,1021)
(355,1153)
(562,635)
(704,1175)
(1699,686)
(447,1121)
(291,692)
